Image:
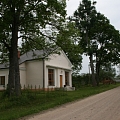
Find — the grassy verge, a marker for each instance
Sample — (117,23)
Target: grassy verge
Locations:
(34,102)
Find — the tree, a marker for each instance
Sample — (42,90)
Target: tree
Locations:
(107,71)
(106,41)
(68,41)
(85,17)
(28,21)
(99,39)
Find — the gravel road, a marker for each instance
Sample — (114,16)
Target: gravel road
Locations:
(103,106)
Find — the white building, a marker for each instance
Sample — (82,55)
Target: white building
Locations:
(43,73)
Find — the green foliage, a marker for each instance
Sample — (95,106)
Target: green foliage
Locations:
(81,80)
(34,22)
(107,72)
(85,18)
(107,38)
(98,37)
(38,23)
(68,41)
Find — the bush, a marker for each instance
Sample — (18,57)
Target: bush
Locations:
(81,80)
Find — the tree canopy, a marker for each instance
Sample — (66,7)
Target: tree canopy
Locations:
(34,22)
(68,41)
(99,39)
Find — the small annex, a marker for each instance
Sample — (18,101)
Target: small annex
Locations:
(35,71)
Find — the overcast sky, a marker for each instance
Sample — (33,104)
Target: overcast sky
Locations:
(110,8)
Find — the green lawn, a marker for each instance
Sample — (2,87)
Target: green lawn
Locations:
(34,102)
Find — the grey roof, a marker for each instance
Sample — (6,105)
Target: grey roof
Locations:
(3,66)
(31,55)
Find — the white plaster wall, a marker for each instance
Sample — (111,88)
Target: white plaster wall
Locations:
(4,72)
(22,75)
(57,72)
(34,73)
(57,78)
(61,64)
(61,61)
(70,78)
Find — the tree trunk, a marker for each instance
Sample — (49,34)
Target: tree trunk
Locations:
(17,78)
(11,78)
(14,75)
(92,70)
(97,72)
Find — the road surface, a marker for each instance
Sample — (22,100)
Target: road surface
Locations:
(103,106)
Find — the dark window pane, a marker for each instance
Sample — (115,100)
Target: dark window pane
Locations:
(2,80)
(50,77)
(66,78)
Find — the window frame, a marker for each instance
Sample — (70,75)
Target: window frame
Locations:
(51,75)
(67,78)
(2,80)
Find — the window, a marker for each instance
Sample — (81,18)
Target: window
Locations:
(2,80)
(50,77)
(66,78)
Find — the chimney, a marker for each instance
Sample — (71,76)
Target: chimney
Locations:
(18,54)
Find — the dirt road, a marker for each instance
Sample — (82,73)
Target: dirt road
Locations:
(103,106)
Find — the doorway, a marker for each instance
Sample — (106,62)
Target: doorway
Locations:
(61,81)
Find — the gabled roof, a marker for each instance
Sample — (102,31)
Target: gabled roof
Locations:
(32,55)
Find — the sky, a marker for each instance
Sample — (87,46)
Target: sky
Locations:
(110,8)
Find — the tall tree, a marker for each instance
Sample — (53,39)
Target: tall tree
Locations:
(106,39)
(85,17)
(99,39)
(28,21)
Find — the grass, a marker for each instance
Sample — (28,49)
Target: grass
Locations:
(34,102)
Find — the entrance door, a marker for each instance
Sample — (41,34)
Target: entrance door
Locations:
(60,80)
